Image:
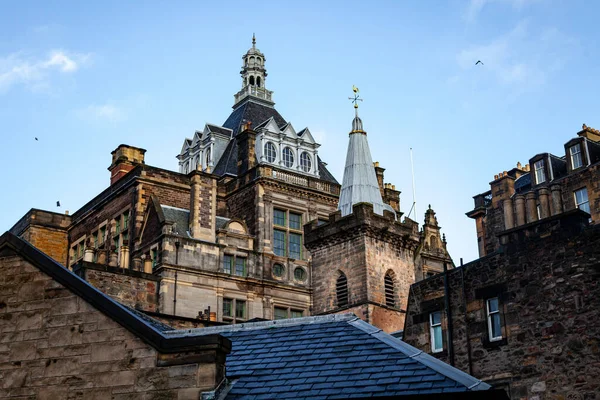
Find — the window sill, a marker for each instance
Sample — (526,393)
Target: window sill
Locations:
(440,354)
(487,344)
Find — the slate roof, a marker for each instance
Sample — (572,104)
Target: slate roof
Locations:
(178,217)
(333,356)
(219,129)
(257,114)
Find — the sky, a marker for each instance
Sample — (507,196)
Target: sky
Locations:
(84,77)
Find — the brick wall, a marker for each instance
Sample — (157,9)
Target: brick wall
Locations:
(546,278)
(55,345)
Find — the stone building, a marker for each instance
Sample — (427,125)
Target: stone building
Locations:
(222,240)
(524,318)
(548,185)
(61,338)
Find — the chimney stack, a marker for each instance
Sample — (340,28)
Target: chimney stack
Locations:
(124,159)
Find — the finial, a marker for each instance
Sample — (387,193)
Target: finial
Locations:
(356,97)
(253,40)
(444,238)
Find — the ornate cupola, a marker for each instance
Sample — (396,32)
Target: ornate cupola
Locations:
(254,76)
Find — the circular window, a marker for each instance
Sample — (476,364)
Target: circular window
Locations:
(288,157)
(278,270)
(270,153)
(305,162)
(300,274)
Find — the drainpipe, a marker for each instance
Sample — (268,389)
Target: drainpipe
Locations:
(448,315)
(464,294)
(175,288)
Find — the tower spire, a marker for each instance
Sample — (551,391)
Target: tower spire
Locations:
(254,76)
(360,182)
(253,41)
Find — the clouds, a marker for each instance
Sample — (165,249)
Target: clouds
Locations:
(103,112)
(476,6)
(19,69)
(523,57)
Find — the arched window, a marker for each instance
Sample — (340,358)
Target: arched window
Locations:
(258,60)
(389,289)
(251,60)
(288,157)
(258,81)
(208,156)
(341,289)
(252,80)
(305,162)
(270,152)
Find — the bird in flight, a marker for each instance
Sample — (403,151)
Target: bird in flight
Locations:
(36,138)
(58,204)
(478,62)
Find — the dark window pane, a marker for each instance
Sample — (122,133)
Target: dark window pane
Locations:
(280,313)
(300,274)
(278,270)
(240,266)
(295,221)
(495,322)
(279,243)
(279,217)
(240,309)
(295,245)
(493,305)
(297,314)
(227,264)
(436,318)
(227,307)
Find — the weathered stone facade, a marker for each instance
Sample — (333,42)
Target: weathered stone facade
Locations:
(56,345)
(548,185)
(545,277)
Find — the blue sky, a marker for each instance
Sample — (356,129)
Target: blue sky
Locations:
(85,77)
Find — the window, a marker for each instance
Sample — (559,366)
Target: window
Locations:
(286,242)
(280,313)
(270,152)
(240,266)
(305,162)
(297,313)
(389,290)
(341,289)
(234,265)
(121,233)
(435,324)
(581,200)
(288,157)
(493,318)
(227,263)
(154,257)
(300,274)
(278,270)
(77,250)
(576,160)
(208,156)
(540,175)
(234,310)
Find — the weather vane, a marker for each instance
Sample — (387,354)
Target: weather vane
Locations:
(356,97)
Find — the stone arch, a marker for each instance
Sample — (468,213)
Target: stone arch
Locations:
(258,81)
(251,81)
(237,226)
(341,290)
(389,287)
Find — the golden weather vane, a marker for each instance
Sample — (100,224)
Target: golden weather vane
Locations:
(356,97)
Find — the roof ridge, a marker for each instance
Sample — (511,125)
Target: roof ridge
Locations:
(418,355)
(319,319)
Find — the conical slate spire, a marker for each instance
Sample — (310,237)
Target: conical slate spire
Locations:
(360,183)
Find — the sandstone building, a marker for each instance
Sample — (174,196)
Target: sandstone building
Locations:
(61,338)
(548,185)
(225,239)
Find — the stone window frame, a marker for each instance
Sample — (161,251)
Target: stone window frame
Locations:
(345,288)
(234,265)
(304,271)
(233,318)
(496,290)
(154,255)
(289,310)
(99,238)
(432,327)
(283,271)
(392,277)
(490,315)
(77,250)
(288,232)
(539,166)
(586,202)
(121,220)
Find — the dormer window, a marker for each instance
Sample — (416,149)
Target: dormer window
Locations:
(305,162)
(540,175)
(576,159)
(208,156)
(288,157)
(270,152)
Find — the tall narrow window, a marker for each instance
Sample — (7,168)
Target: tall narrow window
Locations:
(234,310)
(493,318)
(240,309)
(576,160)
(240,266)
(389,290)
(270,152)
(540,175)
(581,200)
(435,330)
(288,157)
(287,234)
(227,263)
(305,162)
(341,288)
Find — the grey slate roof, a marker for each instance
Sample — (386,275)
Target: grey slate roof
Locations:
(333,356)
(257,114)
(178,217)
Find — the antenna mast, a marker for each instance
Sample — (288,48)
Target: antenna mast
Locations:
(414,204)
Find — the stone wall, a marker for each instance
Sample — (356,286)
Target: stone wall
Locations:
(546,278)
(132,288)
(55,345)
